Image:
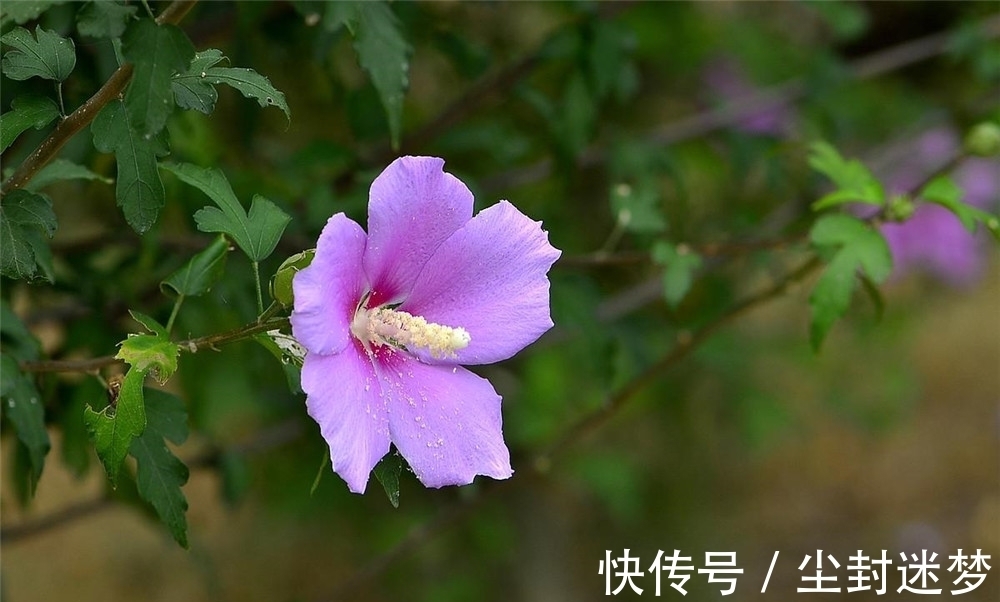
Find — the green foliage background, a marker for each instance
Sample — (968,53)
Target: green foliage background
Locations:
(845,409)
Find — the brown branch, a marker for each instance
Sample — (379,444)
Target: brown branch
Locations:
(190,345)
(76,121)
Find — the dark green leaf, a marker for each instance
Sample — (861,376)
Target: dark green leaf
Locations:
(26,219)
(857,247)
(382,51)
(679,265)
(203,270)
(256,233)
(192,89)
(46,55)
(159,474)
(23,11)
(139,190)
(62,169)
(251,84)
(26,112)
(157,52)
(115,427)
(23,407)
(855,183)
(17,339)
(149,323)
(104,19)
(387,472)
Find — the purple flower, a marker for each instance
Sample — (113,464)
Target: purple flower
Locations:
(727,82)
(389,318)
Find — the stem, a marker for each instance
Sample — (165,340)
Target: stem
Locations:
(149,10)
(256,284)
(62,106)
(76,121)
(270,312)
(173,313)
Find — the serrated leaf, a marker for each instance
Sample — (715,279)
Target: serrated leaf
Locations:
(855,182)
(387,472)
(115,427)
(256,233)
(251,84)
(151,352)
(46,55)
(858,247)
(139,190)
(679,265)
(26,218)
(23,408)
(62,169)
(203,270)
(22,11)
(382,51)
(26,112)
(945,192)
(159,474)
(191,89)
(149,323)
(104,19)
(157,52)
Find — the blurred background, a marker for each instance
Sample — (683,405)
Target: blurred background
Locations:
(621,126)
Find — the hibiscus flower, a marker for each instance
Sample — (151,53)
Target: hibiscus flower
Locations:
(389,318)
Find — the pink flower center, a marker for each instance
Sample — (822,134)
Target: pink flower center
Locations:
(402,330)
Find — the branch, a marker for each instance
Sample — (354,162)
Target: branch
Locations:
(71,125)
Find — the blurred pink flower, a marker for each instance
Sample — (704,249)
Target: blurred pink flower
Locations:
(388,318)
(727,83)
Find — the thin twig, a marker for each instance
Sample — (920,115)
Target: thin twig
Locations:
(71,126)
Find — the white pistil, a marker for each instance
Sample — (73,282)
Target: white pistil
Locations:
(400,329)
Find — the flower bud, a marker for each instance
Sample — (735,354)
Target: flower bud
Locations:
(983,139)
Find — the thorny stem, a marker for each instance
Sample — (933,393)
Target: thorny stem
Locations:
(76,121)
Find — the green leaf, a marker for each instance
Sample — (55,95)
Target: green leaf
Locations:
(637,208)
(159,474)
(679,265)
(382,51)
(139,190)
(26,112)
(46,55)
(856,184)
(192,89)
(104,19)
(387,472)
(148,323)
(22,406)
(115,427)
(157,52)
(251,84)
(150,352)
(17,339)
(198,275)
(23,11)
(26,219)
(857,246)
(281,284)
(256,234)
(945,192)
(62,169)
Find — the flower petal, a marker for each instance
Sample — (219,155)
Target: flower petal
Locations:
(327,292)
(344,397)
(413,207)
(445,421)
(488,278)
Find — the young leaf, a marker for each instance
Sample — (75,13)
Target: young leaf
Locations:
(139,190)
(256,234)
(46,55)
(199,274)
(858,247)
(104,19)
(26,219)
(382,51)
(855,183)
(62,169)
(159,474)
(150,352)
(679,265)
(22,405)
(387,472)
(26,112)
(115,427)
(157,52)
(943,191)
